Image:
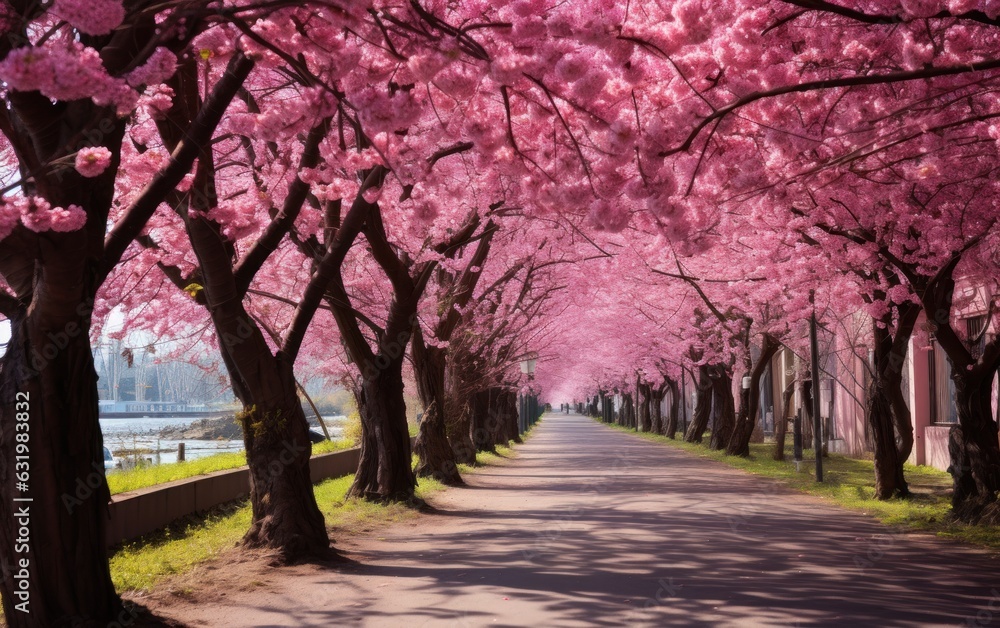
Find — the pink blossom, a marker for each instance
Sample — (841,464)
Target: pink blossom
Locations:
(92,161)
(93,17)
(39,216)
(160,66)
(65,72)
(10,215)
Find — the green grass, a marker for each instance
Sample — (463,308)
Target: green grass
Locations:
(850,482)
(143,477)
(141,564)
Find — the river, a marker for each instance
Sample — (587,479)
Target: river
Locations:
(143,433)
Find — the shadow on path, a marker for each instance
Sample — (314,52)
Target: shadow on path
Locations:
(591,526)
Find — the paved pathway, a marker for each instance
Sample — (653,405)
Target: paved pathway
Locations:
(591,526)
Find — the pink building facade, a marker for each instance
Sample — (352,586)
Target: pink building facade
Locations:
(927,383)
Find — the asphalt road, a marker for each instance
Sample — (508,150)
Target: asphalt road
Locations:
(590,526)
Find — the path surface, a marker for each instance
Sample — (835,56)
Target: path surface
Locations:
(591,526)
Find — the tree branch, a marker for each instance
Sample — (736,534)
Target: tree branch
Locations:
(279,226)
(190,148)
(888,18)
(809,86)
(328,270)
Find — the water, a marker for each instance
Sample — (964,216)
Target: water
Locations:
(143,433)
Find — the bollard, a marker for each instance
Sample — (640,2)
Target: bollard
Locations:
(180,452)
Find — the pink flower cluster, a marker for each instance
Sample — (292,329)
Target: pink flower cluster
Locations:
(93,160)
(66,71)
(10,215)
(93,17)
(39,216)
(160,66)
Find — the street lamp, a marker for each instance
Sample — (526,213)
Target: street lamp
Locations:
(528,365)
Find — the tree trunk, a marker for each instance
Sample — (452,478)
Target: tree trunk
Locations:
(889,478)
(459,415)
(781,425)
(460,437)
(435,454)
(670,429)
(496,420)
(656,403)
(644,398)
(974,449)
(885,410)
(384,472)
(511,431)
(627,414)
(746,421)
(702,407)
(483,432)
(48,383)
(724,408)
(286,516)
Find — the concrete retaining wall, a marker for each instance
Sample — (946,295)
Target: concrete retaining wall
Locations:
(140,512)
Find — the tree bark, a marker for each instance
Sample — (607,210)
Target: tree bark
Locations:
(807,418)
(702,407)
(384,471)
(885,408)
(974,449)
(656,402)
(484,434)
(739,442)
(973,443)
(434,452)
(781,425)
(497,419)
(47,378)
(723,407)
(626,417)
(670,429)
(459,413)
(460,437)
(511,431)
(286,516)
(644,398)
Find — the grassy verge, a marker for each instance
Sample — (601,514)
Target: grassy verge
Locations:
(141,564)
(134,479)
(849,482)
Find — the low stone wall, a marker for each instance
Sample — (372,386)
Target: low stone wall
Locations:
(136,513)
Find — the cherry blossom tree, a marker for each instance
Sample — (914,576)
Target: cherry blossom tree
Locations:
(74,74)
